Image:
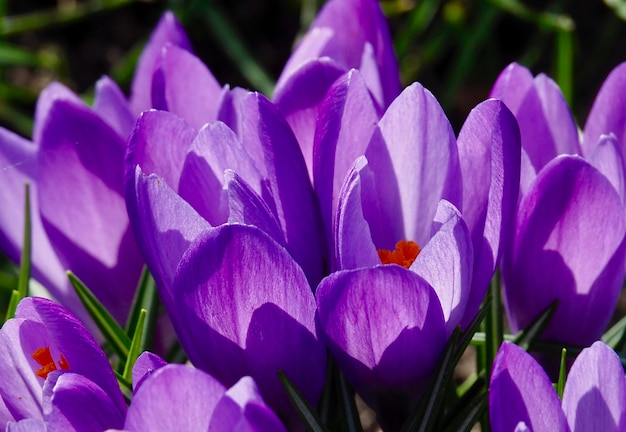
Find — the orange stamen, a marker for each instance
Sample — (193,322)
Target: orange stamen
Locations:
(44,358)
(404,254)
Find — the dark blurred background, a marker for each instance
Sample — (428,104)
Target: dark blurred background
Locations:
(455,48)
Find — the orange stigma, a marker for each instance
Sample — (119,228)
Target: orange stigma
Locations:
(404,254)
(45,360)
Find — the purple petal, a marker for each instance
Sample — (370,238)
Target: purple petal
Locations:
(242,408)
(384,326)
(186,87)
(608,159)
(242,295)
(300,98)
(489,156)
(112,106)
(80,181)
(446,263)
(167,31)
(520,391)
(595,392)
(345,124)
(52,93)
(512,86)
(608,113)
(176,397)
(560,251)
(354,34)
(215,149)
(27,425)
(145,365)
(164,225)
(354,247)
(78,404)
(159,144)
(403,159)
(269,141)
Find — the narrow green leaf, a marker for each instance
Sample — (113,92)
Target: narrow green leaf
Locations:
(146,298)
(111,330)
(615,334)
(468,335)
(25,262)
(135,346)
(560,385)
(125,385)
(565,64)
(308,415)
(427,412)
(469,415)
(348,404)
(546,20)
(533,331)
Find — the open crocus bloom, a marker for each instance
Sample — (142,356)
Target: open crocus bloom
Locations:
(522,398)
(54,373)
(399,204)
(568,246)
(179,397)
(75,170)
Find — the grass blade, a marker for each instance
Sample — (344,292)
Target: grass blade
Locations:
(308,415)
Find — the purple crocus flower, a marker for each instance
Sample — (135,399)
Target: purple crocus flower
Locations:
(179,397)
(522,398)
(54,372)
(75,168)
(392,209)
(239,303)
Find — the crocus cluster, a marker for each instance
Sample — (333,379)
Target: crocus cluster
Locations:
(340,221)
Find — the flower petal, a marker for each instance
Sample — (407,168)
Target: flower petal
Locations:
(608,159)
(175,397)
(167,31)
(520,391)
(80,180)
(595,392)
(446,263)
(608,113)
(111,104)
(489,156)
(560,251)
(184,86)
(242,295)
(145,365)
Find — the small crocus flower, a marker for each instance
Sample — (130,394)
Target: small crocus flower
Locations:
(53,371)
(569,245)
(75,168)
(522,398)
(179,397)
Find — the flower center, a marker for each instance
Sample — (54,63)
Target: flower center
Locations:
(45,360)
(404,254)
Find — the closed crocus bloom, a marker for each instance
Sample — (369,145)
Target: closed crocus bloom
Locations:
(75,170)
(179,397)
(548,128)
(568,246)
(522,398)
(54,373)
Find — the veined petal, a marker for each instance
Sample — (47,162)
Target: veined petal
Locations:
(159,144)
(175,397)
(242,408)
(595,392)
(269,141)
(27,425)
(560,251)
(384,326)
(354,247)
(242,295)
(346,121)
(80,194)
(489,156)
(300,98)
(164,225)
(520,391)
(167,31)
(111,105)
(608,113)
(608,159)
(403,156)
(446,262)
(348,31)
(78,404)
(145,365)
(184,86)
